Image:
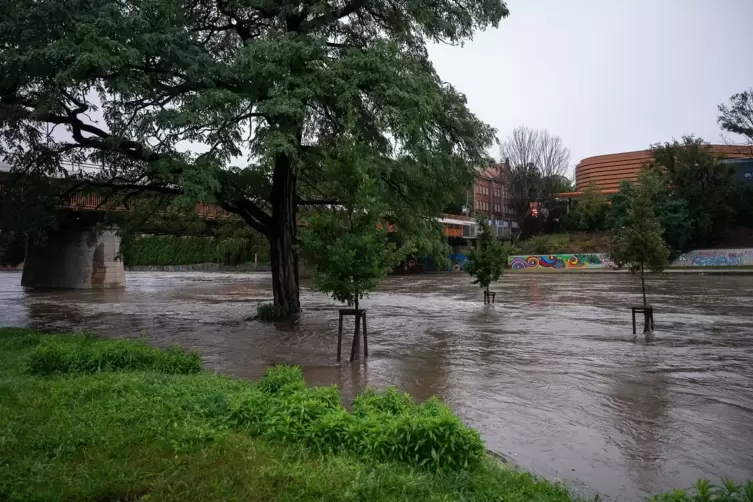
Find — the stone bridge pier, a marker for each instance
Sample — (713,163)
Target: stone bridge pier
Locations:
(76,256)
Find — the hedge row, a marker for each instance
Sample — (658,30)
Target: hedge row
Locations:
(187,250)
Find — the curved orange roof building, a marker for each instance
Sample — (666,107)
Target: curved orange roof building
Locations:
(606,172)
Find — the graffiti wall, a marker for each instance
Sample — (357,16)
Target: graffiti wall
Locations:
(458,261)
(715,258)
(696,258)
(559,261)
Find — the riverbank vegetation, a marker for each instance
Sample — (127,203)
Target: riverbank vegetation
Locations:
(189,250)
(88,419)
(152,428)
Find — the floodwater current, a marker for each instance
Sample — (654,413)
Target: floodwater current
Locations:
(551,374)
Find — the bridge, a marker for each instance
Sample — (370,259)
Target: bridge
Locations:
(78,255)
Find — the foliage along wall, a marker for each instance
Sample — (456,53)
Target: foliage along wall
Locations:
(560,261)
(189,250)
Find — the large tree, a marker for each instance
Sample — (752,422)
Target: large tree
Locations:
(737,117)
(702,181)
(538,165)
(243,103)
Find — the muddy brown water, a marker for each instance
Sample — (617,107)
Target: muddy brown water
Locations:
(550,374)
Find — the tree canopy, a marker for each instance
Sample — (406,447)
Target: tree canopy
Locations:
(696,176)
(638,242)
(244,103)
(737,117)
(487,260)
(671,212)
(538,163)
(347,246)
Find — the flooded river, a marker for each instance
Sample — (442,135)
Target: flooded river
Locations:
(550,375)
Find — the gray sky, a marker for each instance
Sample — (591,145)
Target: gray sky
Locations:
(607,76)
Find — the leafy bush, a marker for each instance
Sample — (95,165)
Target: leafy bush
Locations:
(562,243)
(93,356)
(384,426)
(704,491)
(271,312)
(282,379)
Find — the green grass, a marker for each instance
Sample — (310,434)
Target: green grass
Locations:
(133,427)
(146,434)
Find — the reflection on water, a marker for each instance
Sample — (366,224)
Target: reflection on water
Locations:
(551,374)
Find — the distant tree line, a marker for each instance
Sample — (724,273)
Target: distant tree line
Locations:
(696,198)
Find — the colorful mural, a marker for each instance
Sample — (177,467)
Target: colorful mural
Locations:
(696,258)
(559,261)
(715,258)
(458,261)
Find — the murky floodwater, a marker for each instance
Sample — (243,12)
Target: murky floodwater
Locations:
(550,375)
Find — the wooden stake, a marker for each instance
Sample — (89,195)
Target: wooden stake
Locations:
(355,350)
(365,340)
(340,338)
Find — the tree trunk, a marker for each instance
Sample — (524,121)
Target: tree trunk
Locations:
(282,238)
(643,285)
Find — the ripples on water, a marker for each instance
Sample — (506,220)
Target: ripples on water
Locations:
(550,375)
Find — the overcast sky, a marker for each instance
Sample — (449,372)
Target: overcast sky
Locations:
(607,76)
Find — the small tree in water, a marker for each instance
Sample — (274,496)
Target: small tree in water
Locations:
(349,252)
(488,259)
(347,245)
(638,243)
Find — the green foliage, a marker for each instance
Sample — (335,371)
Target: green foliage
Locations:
(590,213)
(347,245)
(704,491)
(737,117)
(282,379)
(560,184)
(271,312)
(561,243)
(12,247)
(93,356)
(488,259)
(26,211)
(184,90)
(742,204)
(638,243)
(670,210)
(350,254)
(705,184)
(186,250)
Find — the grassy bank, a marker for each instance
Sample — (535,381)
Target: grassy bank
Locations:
(86,419)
